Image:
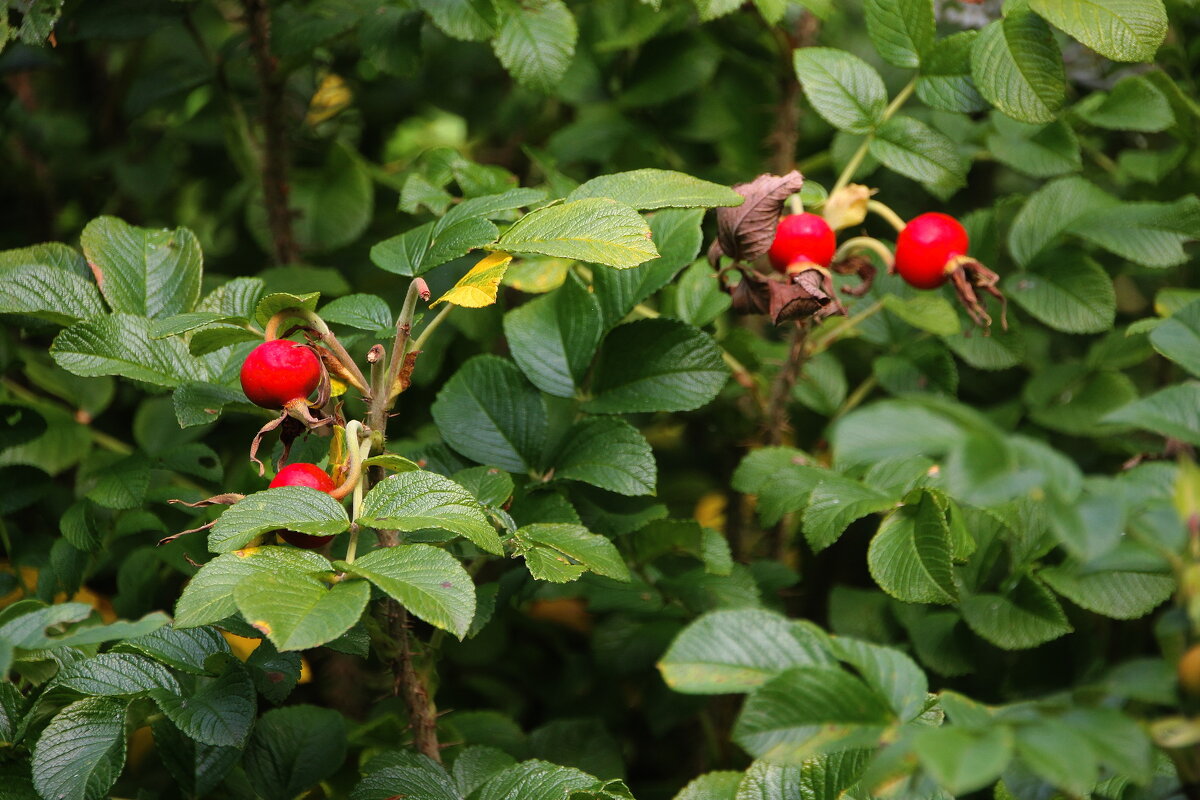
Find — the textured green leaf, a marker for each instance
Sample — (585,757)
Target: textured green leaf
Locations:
(401,773)
(490,413)
(901,30)
(294,508)
(1120,595)
(233,299)
(678,237)
(1022,618)
(1151,234)
(490,206)
(917,151)
(1058,754)
(809,710)
(1178,338)
(834,504)
(1134,104)
(197,767)
(120,344)
(825,777)
(553,338)
(698,299)
(656,365)
(537,780)
(473,20)
(80,754)
(416,500)
(536,42)
(607,452)
(115,675)
(964,760)
(594,229)
(420,249)
(892,428)
(293,749)
(429,582)
(843,88)
(1050,211)
(929,312)
(1075,401)
(299,612)
(1017,67)
(1040,151)
(151,273)
(1067,291)
(476,765)
(179,648)
(570,545)
(221,710)
(48,292)
(910,555)
(889,672)
(208,596)
(202,403)
(366,312)
(711,786)
(648,189)
(724,652)
(945,81)
(1123,30)
(1173,411)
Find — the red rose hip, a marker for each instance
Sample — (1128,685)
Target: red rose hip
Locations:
(929,248)
(278,372)
(805,238)
(312,476)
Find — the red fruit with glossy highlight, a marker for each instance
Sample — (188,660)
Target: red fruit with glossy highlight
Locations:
(280,371)
(805,238)
(312,476)
(927,249)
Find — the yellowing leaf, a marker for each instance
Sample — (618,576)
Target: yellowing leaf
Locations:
(478,287)
(336,388)
(331,98)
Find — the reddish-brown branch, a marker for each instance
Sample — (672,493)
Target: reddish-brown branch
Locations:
(786,133)
(274,150)
(422,715)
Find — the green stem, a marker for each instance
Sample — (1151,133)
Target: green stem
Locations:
(381,404)
(419,342)
(856,397)
(856,160)
(865,243)
(820,344)
(884,211)
(363,451)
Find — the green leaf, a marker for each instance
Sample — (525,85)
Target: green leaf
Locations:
(1075,401)
(892,428)
(182,649)
(834,504)
(674,536)
(294,508)
(910,555)
(293,749)
(536,42)
(714,9)
(678,237)
(1067,291)
(401,773)
(809,710)
(1040,151)
(917,151)
(553,338)
(1151,234)
(420,249)
(538,780)
(889,672)
(490,413)
(648,189)
(843,88)
(902,32)
(929,312)
(782,477)
(964,760)
(698,299)
(235,299)
(202,403)
(1017,67)
(945,81)
(221,710)
(1024,617)
(607,452)
(1123,30)
(736,651)
(48,292)
(1134,104)
(553,549)
(1178,337)
(115,675)
(473,20)
(1057,753)
(711,786)
(475,765)
(825,777)
(416,500)
(299,612)
(197,767)
(1120,595)
(273,303)
(208,596)
(656,365)
(366,312)
(429,582)
(80,754)
(594,229)
(491,206)
(151,273)
(1174,412)
(120,344)
(1050,211)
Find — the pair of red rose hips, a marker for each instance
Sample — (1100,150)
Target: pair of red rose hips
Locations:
(927,250)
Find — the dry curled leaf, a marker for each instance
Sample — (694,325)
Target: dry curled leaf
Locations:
(745,232)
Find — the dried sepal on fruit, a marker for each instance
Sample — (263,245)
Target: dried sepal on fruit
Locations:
(847,207)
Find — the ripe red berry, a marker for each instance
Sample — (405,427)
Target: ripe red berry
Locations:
(802,237)
(313,477)
(279,371)
(927,248)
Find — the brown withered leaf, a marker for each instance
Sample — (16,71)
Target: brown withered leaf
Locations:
(226,499)
(745,232)
(805,295)
(856,265)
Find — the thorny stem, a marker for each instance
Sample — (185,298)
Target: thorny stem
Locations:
(856,160)
(781,387)
(422,713)
(418,289)
(274,163)
(884,211)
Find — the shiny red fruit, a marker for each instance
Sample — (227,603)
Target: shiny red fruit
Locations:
(927,247)
(313,477)
(279,371)
(802,237)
